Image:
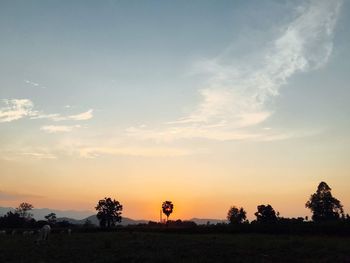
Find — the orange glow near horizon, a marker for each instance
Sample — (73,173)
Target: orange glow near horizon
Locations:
(202,187)
(184,208)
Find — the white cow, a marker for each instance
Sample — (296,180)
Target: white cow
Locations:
(2,232)
(44,233)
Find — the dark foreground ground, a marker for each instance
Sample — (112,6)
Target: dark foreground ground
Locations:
(172,247)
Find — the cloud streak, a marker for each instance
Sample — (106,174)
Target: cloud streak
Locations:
(87,115)
(59,128)
(81,116)
(236,96)
(93,152)
(34,84)
(40,155)
(16,109)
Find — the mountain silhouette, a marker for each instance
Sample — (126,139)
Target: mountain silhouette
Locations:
(79,217)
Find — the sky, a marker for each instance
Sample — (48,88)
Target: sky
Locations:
(208,104)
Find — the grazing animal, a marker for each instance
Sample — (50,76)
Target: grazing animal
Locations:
(69,231)
(44,233)
(13,232)
(2,232)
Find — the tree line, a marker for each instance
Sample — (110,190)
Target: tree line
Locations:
(324,208)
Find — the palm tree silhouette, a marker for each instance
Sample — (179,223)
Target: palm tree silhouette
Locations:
(167,208)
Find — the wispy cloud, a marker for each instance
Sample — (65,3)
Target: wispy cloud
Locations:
(18,151)
(34,84)
(40,115)
(92,152)
(16,109)
(236,96)
(58,117)
(40,155)
(82,116)
(59,128)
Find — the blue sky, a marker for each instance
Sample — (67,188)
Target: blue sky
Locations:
(244,90)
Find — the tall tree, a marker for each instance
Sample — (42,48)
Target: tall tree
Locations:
(167,208)
(109,212)
(23,210)
(323,205)
(51,218)
(236,215)
(265,214)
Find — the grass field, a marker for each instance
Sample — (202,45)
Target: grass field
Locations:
(166,247)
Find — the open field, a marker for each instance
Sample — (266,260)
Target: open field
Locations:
(172,247)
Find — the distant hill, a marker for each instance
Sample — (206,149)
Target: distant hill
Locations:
(93,219)
(40,213)
(4,210)
(79,217)
(128,221)
(72,216)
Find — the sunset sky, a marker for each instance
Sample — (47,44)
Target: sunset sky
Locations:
(205,103)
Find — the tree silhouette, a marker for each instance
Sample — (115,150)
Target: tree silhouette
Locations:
(167,208)
(23,210)
(323,205)
(236,215)
(51,218)
(265,214)
(12,220)
(109,212)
